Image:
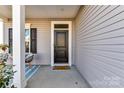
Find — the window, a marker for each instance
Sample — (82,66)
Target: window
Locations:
(30,40)
(1,32)
(27,40)
(60,25)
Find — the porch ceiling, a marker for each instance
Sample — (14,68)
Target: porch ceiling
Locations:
(5,11)
(51,11)
(43,11)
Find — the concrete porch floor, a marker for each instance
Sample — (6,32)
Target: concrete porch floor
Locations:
(45,77)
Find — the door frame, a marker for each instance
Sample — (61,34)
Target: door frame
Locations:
(69,42)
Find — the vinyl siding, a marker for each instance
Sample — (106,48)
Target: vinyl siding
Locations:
(43,42)
(100,45)
(43,56)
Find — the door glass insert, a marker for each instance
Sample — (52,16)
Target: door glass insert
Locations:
(60,39)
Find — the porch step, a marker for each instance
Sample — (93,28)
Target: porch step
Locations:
(31,71)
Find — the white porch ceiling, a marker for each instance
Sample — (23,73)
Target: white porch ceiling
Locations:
(49,11)
(43,11)
(6,11)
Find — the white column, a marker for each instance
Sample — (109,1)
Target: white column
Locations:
(1,32)
(19,45)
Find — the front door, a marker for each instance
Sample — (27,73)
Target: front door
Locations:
(60,46)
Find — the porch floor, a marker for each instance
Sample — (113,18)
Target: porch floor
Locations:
(45,77)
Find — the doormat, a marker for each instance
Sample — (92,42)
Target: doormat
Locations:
(61,68)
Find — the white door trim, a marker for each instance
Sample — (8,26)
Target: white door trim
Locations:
(69,43)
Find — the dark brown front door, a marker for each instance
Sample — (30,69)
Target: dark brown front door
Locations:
(60,46)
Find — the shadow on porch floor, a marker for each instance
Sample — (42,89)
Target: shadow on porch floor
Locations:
(45,77)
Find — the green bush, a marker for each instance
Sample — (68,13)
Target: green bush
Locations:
(6,74)
(6,71)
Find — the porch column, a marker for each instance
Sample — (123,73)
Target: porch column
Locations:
(19,45)
(1,32)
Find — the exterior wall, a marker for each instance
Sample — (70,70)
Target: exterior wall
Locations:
(43,56)
(43,42)
(5,20)
(100,45)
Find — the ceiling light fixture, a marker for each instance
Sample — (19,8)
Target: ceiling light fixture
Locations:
(62,9)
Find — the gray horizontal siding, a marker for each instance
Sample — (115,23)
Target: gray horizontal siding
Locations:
(100,45)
